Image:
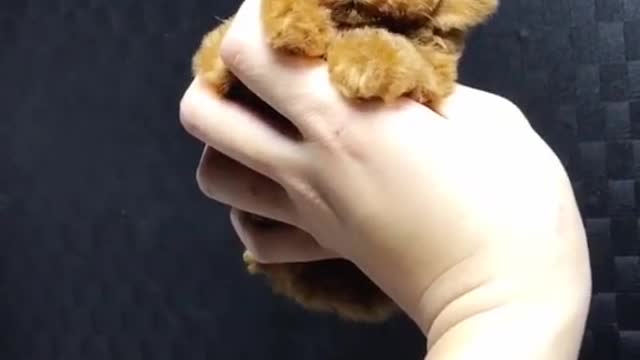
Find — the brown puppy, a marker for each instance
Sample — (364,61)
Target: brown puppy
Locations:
(375,50)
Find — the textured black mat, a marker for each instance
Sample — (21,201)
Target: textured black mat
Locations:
(108,251)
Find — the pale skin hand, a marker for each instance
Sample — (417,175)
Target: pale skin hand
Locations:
(465,218)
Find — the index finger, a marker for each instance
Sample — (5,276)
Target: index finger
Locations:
(299,88)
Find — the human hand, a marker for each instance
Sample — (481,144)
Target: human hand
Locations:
(454,214)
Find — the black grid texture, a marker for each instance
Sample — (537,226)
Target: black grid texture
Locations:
(574,67)
(108,250)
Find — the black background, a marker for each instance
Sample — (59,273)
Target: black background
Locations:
(108,250)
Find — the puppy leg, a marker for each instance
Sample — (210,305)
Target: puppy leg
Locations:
(300,27)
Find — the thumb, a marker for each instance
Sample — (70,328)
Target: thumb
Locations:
(470,104)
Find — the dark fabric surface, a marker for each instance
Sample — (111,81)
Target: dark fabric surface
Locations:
(108,250)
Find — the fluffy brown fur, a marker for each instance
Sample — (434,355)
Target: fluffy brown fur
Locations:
(375,50)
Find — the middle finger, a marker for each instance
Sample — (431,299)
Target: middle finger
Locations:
(238,132)
(297,87)
(229,182)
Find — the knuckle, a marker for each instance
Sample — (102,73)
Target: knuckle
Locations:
(210,176)
(204,182)
(210,179)
(260,252)
(233,51)
(187,113)
(256,240)
(510,106)
(512,111)
(505,105)
(504,108)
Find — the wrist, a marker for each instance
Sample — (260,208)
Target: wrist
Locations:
(528,331)
(495,320)
(536,289)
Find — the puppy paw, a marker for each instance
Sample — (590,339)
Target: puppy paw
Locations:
(206,62)
(298,27)
(439,75)
(463,14)
(369,63)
